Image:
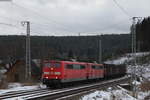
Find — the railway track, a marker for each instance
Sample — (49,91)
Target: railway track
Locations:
(147,98)
(18,92)
(22,93)
(47,94)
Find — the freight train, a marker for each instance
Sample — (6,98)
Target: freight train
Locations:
(58,73)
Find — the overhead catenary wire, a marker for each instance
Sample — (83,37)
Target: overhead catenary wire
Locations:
(7,24)
(122,9)
(107,27)
(36,24)
(46,27)
(47,24)
(11,25)
(49,20)
(37,28)
(37,15)
(8,18)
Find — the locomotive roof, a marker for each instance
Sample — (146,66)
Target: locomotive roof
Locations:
(73,62)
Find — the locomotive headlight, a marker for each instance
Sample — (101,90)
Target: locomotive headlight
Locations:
(46,77)
(57,73)
(52,68)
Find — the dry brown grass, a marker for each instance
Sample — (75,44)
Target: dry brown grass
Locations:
(3,85)
(29,84)
(145,86)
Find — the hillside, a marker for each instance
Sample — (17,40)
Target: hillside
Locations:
(84,48)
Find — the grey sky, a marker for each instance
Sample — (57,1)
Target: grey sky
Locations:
(70,17)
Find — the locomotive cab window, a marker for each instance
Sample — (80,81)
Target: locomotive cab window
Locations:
(97,67)
(82,67)
(56,65)
(93,67)
(100,67)
(75,66)
(47,64)
(69,66)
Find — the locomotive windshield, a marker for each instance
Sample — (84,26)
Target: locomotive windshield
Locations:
(52,65)
(97,67)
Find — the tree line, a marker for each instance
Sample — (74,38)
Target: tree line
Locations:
(82,48)
(143,34)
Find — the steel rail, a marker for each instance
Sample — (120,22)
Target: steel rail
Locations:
(70,91)
(13,95)
(47,94)
(17,92)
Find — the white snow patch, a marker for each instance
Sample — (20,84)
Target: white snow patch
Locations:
(100,95)
(142,95)
(14,85)
(136,83)
(126,58)
(139,54)
(42,86)
(118,61)
(108,95)
(19,87)
(2,71)
(146,75)
(16,98)
(120,94)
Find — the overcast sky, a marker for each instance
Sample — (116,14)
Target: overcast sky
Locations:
(70,17)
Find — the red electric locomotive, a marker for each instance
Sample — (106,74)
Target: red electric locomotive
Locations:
(57,73)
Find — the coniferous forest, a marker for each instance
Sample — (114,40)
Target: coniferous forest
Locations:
(82,48)
(143,34)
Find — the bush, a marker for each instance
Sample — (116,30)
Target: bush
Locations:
(145,86)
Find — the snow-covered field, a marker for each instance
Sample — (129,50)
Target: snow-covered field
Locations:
(108,95)
(126,58)
(19,87)
(113,95)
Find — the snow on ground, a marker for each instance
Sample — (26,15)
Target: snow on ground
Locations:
(140,70)
(108,95)
(16,98)
(118,61)
(2,71)
(142,95)
(19,87)
(126,58)
(119,94)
